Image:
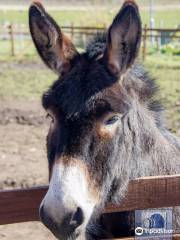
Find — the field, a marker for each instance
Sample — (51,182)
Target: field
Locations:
(23,125)
(163,17)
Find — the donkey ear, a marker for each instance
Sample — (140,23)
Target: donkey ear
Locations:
(124,36)
(53,46)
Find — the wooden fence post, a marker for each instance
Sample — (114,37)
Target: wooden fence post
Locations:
(84,37)
(72,32)
(105,26)
(144,43)
(11,33)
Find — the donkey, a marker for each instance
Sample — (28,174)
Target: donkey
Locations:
(106,125)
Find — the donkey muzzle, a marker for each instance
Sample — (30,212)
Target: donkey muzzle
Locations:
(67,225)
(67,206)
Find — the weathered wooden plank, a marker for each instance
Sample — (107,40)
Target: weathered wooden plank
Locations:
(20,205)
(143,193)
(150,192)
(175,237)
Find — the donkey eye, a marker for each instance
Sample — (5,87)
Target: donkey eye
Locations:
(112,120)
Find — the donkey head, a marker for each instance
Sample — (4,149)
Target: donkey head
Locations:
(87,105)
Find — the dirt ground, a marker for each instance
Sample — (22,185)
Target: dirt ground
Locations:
(23,161)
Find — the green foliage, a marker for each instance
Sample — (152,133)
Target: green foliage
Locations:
(171,49)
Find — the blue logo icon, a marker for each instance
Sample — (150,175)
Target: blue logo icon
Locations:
(156,223)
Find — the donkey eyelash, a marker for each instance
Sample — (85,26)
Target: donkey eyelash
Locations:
(112,120)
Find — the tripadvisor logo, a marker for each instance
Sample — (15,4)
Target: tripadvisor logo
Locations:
(139,231)
(154,223)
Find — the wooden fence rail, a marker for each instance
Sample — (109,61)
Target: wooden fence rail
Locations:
(143,193)
(174,237)
(13,32)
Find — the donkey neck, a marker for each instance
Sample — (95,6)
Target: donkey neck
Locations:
(156,151)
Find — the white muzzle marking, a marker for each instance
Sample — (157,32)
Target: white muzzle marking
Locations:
(68,190)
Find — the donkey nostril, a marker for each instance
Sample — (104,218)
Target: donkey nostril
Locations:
(66,225)
(77,218)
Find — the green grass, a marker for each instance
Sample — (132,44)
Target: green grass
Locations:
(27,77)
(25,48)
(168,18)
(158,2)
(166,70)
(26,81)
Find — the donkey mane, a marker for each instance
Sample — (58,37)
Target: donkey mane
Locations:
(148,88)
(136,77)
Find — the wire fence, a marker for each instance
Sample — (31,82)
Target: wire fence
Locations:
(15,39)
